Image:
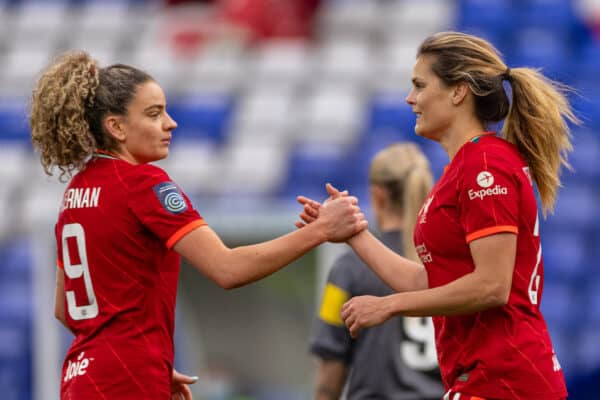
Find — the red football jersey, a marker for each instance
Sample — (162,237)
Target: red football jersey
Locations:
(114,235)
(503,352)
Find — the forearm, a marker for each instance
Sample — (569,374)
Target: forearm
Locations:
(331,377)
(253,262)
(400,273)
(231,268)
(468,294)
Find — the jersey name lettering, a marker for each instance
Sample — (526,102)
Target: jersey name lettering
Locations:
(81,198)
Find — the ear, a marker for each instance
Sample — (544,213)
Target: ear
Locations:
(114,127)
(459,93)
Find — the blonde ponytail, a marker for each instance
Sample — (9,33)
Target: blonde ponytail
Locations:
(403,170)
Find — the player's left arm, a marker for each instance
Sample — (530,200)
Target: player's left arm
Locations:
(487,286)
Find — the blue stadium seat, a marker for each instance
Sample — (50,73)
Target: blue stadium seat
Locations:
(588,62)
(203,116)
(485,15)
(14,123)
(553,14)
(564,253)
(310,167)
(587,104)
(584,158)
(390,113)
(558,301)
(551,51)
(577,206)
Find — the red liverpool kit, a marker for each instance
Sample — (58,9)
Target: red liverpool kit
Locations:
(502,352)
(114,235)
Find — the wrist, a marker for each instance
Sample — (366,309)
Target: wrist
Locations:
(388,306)
(353,241)
(318,231)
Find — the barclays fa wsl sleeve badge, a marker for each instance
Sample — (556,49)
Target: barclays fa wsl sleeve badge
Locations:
(170,197)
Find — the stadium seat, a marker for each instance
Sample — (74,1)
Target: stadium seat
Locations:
(564,254)
(281,63)
(415,19)
(217,68)
(264,107)
(252,169)
(347,18)
(551,52)
(195,164)
(584,158)
(331,115)
(14,123)
(495,16)
(202,116)
(388,111)
(346,60)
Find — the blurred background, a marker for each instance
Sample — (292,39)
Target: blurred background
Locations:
(273,99)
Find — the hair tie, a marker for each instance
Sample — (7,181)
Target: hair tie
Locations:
(506,74)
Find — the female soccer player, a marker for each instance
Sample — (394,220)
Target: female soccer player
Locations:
(122,225)
(477,234)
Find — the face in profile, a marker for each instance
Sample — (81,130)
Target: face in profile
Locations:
(430,99)
(147,127)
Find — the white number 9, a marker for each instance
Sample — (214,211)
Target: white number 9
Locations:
(418,344)
(77,271)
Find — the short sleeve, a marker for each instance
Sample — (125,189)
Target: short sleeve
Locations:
(331,339)
(488,196)
(161,205)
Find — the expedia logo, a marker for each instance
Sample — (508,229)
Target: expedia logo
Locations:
(485,179)
(480,194)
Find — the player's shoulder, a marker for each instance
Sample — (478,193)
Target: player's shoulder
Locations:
(491,150)
(144,175)
(150,170)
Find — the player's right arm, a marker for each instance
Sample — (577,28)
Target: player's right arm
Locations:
(398,272)
(331,377)
(234,267)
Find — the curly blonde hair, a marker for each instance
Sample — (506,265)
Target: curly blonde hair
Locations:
(403,170)
(68,105)
(536,121)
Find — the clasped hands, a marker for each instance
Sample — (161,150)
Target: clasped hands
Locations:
(360,311)
(339,216)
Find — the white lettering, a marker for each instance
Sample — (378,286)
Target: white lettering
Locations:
(424,254)
(69,198)
(480,194)
(77,368)
(77,198)
(95,197)
(82,198)
(85,201)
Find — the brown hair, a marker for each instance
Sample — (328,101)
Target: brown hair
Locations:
(537,120)
(403,170)
(69,103)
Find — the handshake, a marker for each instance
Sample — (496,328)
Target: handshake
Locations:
(338,219)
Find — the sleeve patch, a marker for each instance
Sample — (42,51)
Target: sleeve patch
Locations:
(331,307)
(170,197)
